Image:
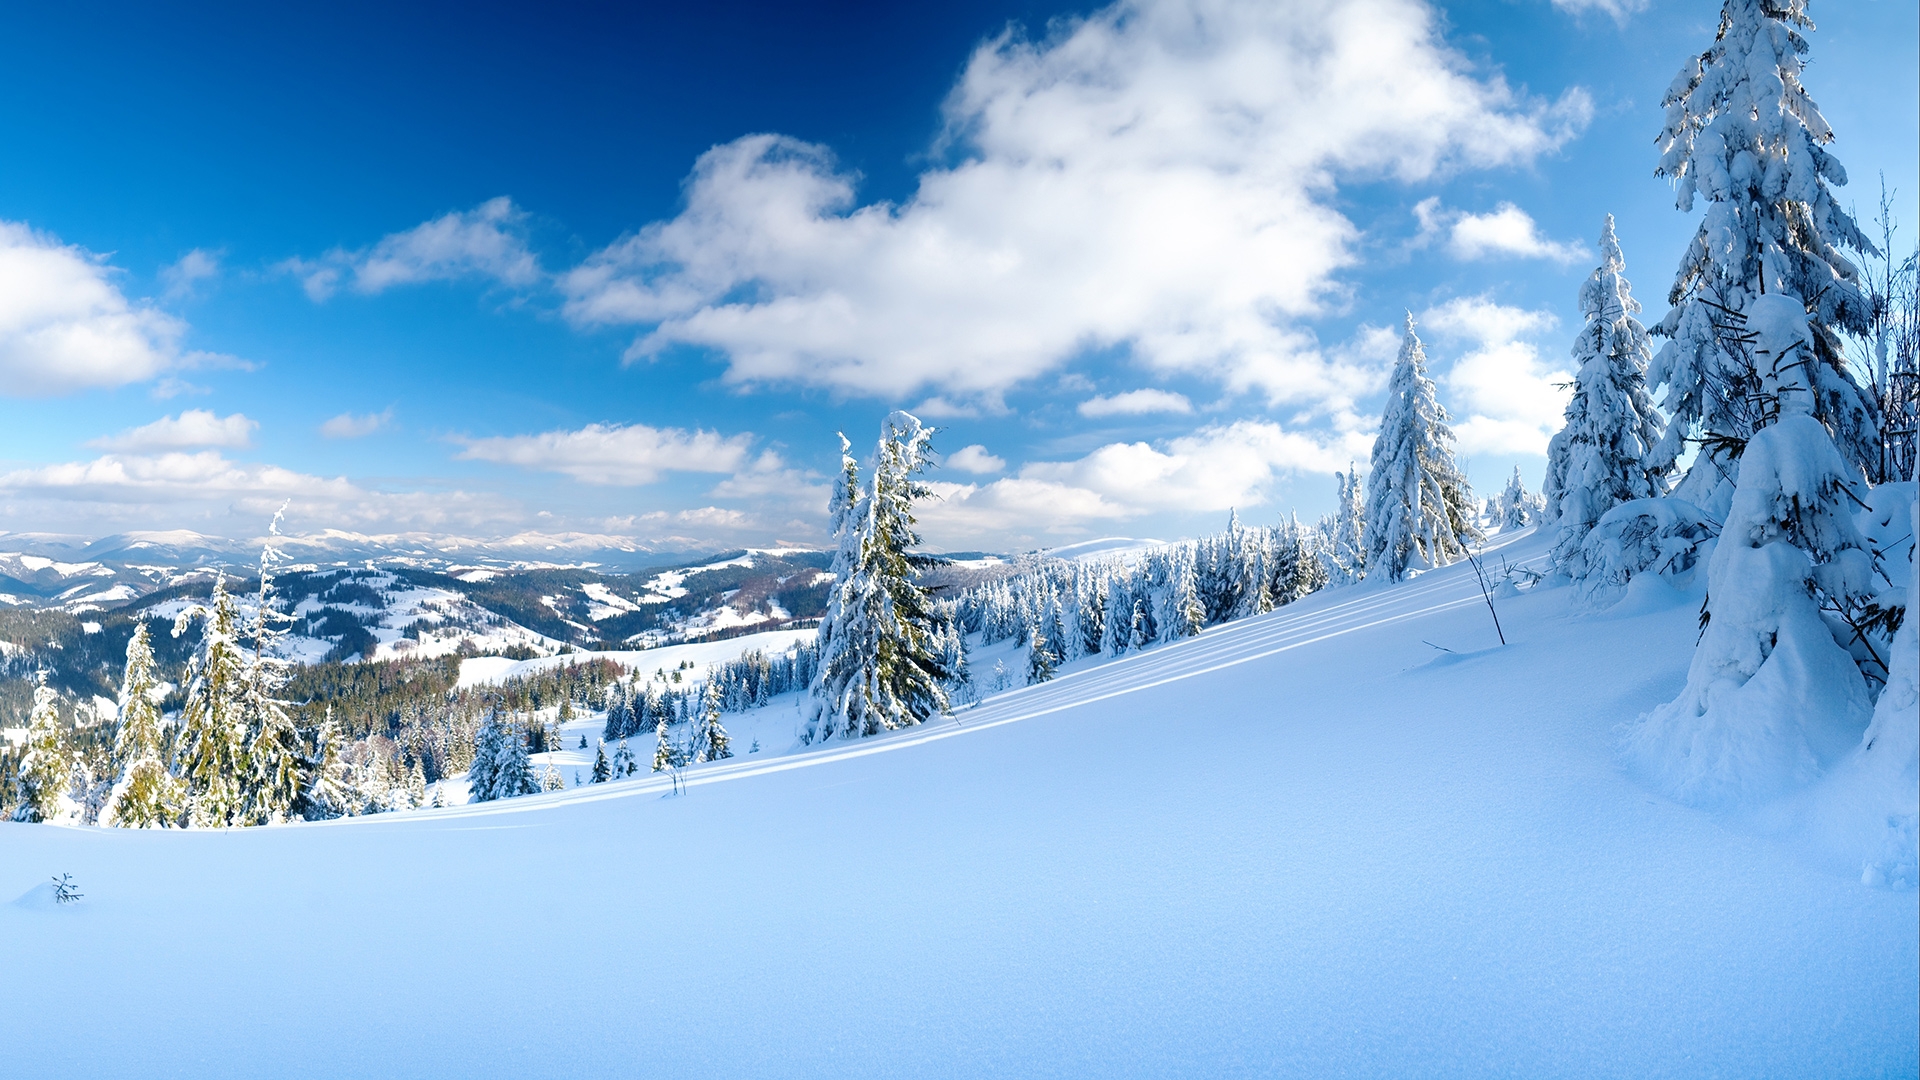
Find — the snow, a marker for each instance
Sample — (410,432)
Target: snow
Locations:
(1304,844)
(492,670)
(1104,548)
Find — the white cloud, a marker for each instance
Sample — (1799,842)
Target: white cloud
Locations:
(1508,230)
(1159,176)
(488,241)
(1502,387)
(65,326)
(613,453)
(1213,469)
(192,268)
(1136,403)
(349,426)
(1619,9)
(149,491)
(192,428)
(975,459)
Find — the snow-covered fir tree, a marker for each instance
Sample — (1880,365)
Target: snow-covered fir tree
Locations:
(145,794)
(664,755)
(602,768)
(623,762)
(212,749)
(46,769)
(1040,659)
(1419,509)
(1601,458)
(1770,694)
(710,739)
(1345,553)
(1516,507)
(279,770)
(1742,133)
(879,660)
(501,768)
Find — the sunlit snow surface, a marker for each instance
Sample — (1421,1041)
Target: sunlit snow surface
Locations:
(1306,844)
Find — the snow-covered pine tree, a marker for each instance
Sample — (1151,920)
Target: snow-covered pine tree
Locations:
(417,784)
(1040,659)
(602,768)
(1419,507)
(710,739)
(1600,458)
(663,753)
(146,795)
(278,767)
(1345,555)
(330,795)
(1119,618)
(1742,132)
(46,769)
(1183,616)
(623,763)
(212,750)
(1518,507)
(879,662)
(501,768)
(1771,697)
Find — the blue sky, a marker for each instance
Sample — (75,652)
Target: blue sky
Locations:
(626,270)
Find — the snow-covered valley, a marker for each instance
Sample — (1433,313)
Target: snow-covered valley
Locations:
(1355,836)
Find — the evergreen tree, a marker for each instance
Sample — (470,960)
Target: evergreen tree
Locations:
(1040,659)
(279,770)
(212,751)
(623,762)
(46,770)
(1769,688)
(1346,551)
(1419,507)
(710,741)
(1742,133)
(602,768)
(1600,459)
(501,768)
(417,784)
(879,662)
(146,795)
(1517,507)
(663,755)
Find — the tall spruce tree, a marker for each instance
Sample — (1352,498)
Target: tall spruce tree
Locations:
(1601,458)
(879,650)
(1419,510)
(46,768)
(279,769)
(1345,555)
(146,794)
(212,749)
(1743,133)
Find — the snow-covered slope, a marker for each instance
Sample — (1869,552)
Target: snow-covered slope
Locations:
(1305,844)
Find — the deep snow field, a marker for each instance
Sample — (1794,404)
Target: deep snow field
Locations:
(1306,844)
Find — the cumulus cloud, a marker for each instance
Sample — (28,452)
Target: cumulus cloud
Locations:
(975,459)
(1213,469)
(192,428)
(148,490)
(614,454)
(488,241)
(349,426)
(65,325)
(1508,230)
(1136,403)
(1506,393)
(1159,176)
